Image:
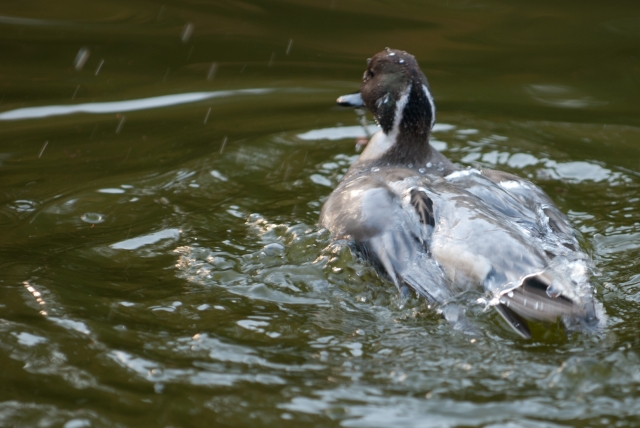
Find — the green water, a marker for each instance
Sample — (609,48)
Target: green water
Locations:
(162,267)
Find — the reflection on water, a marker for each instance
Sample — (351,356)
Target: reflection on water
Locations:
(164,268)
(122,106)
(141,241)
(562,96)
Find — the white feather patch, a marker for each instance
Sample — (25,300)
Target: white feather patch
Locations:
(381,142)
(433,105)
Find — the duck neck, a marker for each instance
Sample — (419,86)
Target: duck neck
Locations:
(411,127)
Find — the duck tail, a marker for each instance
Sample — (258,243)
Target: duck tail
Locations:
(535,300)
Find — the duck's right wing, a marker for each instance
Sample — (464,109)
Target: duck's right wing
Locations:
(389,230)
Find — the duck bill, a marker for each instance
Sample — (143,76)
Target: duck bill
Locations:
(351,100)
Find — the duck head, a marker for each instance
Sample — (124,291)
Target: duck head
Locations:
(396,91)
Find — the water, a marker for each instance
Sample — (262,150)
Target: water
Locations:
(163,166)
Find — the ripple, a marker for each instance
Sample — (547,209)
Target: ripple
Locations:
(12,413)
(124,106)
(23,206)
(152,238)
(111,191)
(93,218)
(579,171)
(344,132)
(273,273)
(70,324)
(28,339)
(617,243)
(321,180)
(562,96)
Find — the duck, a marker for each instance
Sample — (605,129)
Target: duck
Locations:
(441,230)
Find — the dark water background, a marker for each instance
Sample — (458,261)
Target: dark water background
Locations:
(162,267)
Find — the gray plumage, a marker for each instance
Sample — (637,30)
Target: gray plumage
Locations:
(439,230)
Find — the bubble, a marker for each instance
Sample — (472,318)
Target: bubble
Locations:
(24,205)
(92,218)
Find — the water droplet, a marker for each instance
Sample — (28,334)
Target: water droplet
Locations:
(401,61)
(81,58)
(422,170)
(93,218)
(428,165)
(375,169)
(510,294)
(392,53)
(410,165)
(187,31)
(553,292)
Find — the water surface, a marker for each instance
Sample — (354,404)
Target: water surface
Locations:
(163,166)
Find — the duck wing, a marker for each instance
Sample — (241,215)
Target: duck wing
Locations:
(441,237)
(534,267)
(552,222)
(388,229)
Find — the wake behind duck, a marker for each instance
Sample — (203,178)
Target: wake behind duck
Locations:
(429,226)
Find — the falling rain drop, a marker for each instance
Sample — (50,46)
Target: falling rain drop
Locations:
(81,58)
(213,69)
(187,32)
(44,146)
(99,66)
(37,295)
(123,119)
(289,46)
(224,143)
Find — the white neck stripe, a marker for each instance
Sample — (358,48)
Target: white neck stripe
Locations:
(431,103)
(397,118)
(381,142)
